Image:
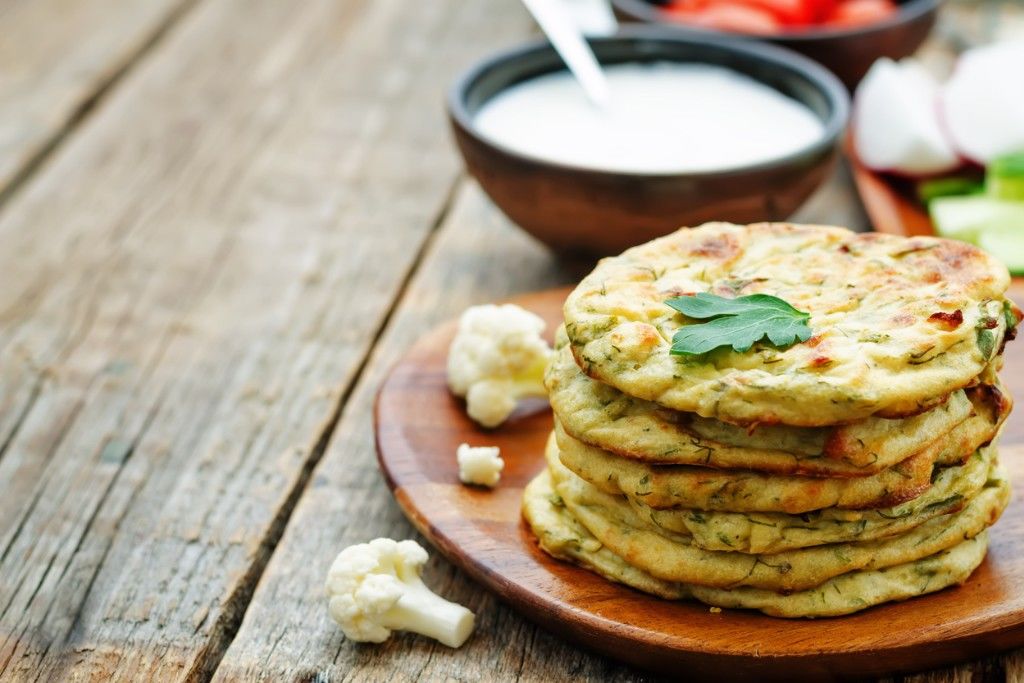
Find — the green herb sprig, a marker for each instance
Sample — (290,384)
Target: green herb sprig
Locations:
(738,323)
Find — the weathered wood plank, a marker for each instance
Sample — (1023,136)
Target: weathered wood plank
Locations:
(189,287)
(286,633)
(57,58)
(835,203)
(144,571)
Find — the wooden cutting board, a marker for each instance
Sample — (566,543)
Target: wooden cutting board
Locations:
(419,426)
(888,202)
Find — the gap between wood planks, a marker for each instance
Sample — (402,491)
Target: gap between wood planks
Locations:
(81,111)
(292,350)
(223,633)
(238,602)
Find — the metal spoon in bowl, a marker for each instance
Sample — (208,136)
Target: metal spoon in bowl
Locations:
(568,41)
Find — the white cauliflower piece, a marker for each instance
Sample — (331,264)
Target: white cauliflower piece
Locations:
(480,465)
(497,358)
(376,588)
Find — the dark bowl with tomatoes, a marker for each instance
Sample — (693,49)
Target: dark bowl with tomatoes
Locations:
(585,212)
(846,36)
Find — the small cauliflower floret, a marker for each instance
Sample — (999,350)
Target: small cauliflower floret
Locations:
(480,465)
(375,588)
(497,358)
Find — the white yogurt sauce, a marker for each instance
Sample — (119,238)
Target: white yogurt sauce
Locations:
(663,118)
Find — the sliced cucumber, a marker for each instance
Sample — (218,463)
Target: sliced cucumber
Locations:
(950,186)
(964,218)
(1006,243)
(1004,178)
(995,225)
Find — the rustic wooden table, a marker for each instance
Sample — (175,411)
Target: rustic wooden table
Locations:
(221,221)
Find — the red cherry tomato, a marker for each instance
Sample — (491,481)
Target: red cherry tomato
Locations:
(821,9)
(729,16)
(788,12)
(860,12)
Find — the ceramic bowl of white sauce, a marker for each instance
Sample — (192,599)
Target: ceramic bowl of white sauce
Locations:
(697,129)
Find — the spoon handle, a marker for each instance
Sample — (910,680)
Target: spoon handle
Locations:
(567,40)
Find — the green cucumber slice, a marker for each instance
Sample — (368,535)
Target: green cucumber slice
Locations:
(964,218)
(1004,178)
(928,190)
(1006,243)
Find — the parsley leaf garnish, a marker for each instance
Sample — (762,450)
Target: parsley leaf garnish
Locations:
(737,323)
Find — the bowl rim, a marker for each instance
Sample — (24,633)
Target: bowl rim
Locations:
(907,11)
(820,78)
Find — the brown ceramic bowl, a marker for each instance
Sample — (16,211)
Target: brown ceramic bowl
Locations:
(847,52)
(595,213)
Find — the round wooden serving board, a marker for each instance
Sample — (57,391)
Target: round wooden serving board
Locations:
(419,426)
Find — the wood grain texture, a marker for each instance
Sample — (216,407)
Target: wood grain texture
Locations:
(286,634)
(419,426)
(57,58)
(190,287)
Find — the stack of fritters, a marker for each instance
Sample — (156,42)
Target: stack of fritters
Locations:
(818,479)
